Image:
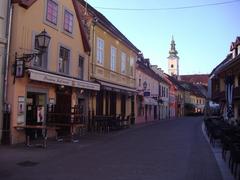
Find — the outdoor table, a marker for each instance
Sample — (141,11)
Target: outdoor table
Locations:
(35,127)
(71,125)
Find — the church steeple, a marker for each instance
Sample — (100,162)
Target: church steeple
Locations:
(173,52)
(173,60)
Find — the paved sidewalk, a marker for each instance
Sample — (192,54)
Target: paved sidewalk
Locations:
(162,150)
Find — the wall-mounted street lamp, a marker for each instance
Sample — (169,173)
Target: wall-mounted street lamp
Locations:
(144,85)
(42,41)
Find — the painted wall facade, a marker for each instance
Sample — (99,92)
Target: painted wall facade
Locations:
(60,76)
(148,93)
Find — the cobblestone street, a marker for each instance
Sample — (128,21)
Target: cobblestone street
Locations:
(168,150)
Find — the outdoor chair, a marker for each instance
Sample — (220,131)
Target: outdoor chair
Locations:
(234,158)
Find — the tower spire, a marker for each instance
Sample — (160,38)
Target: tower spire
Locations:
(173,52)
(173,60)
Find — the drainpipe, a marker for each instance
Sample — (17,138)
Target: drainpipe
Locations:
(6,64)
(94,21)
(8,30)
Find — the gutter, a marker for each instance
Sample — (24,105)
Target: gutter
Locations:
(8,32)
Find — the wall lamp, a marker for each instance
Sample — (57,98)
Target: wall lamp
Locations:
(42,41)
(144,85)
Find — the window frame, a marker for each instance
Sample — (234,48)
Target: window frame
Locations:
(131,66)
(66,31)
(44,63)
(113,58)
(81,73)
(123,62)
(2,12)
(69,59)
(48,22)
(100,51)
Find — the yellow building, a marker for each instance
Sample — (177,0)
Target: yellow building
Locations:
(56,80)
(112,65)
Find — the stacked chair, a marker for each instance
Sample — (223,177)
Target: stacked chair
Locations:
(228,135)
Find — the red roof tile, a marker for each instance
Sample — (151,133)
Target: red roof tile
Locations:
(196,78)
(86,44)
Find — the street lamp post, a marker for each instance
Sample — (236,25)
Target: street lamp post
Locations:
(42,41)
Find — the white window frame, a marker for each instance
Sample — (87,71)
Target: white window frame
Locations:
(68,65)
(113,58)
(131,65)
(123,62)
(2,12)
(63,22)
(100,51)
(55,26)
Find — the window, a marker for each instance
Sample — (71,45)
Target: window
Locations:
(160,94)
(171,65)
(123,62)
(63,63)
(41,60)
(139,82)
(113,58)
(100,50)
(68,21)
(238,80)
(162,91)
(81,67)
(2,12)
(52,12)
(131,66)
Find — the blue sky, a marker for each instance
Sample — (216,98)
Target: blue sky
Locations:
(202,35)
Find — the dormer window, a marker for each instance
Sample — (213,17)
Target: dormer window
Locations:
(238,49)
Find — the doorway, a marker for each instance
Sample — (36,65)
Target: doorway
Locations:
(35,112)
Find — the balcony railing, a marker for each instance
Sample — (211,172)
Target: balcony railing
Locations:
(218,96)
(236,92)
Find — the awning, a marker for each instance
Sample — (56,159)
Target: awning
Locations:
(150,101)
(61,80)
(116,88)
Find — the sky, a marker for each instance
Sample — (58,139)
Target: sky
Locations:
(202,35)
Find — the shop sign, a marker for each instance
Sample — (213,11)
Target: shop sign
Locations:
(146,93)
(50,79)
(55,79)
(85,85)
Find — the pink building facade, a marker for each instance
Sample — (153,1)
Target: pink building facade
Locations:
(147,85)
(172,99)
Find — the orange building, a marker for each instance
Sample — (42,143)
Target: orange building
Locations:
(55,78)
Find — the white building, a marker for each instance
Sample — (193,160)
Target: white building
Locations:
(164,97)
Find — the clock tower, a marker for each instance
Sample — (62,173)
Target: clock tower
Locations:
(173,60)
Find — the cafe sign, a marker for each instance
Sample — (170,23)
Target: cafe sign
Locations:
(57,79)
